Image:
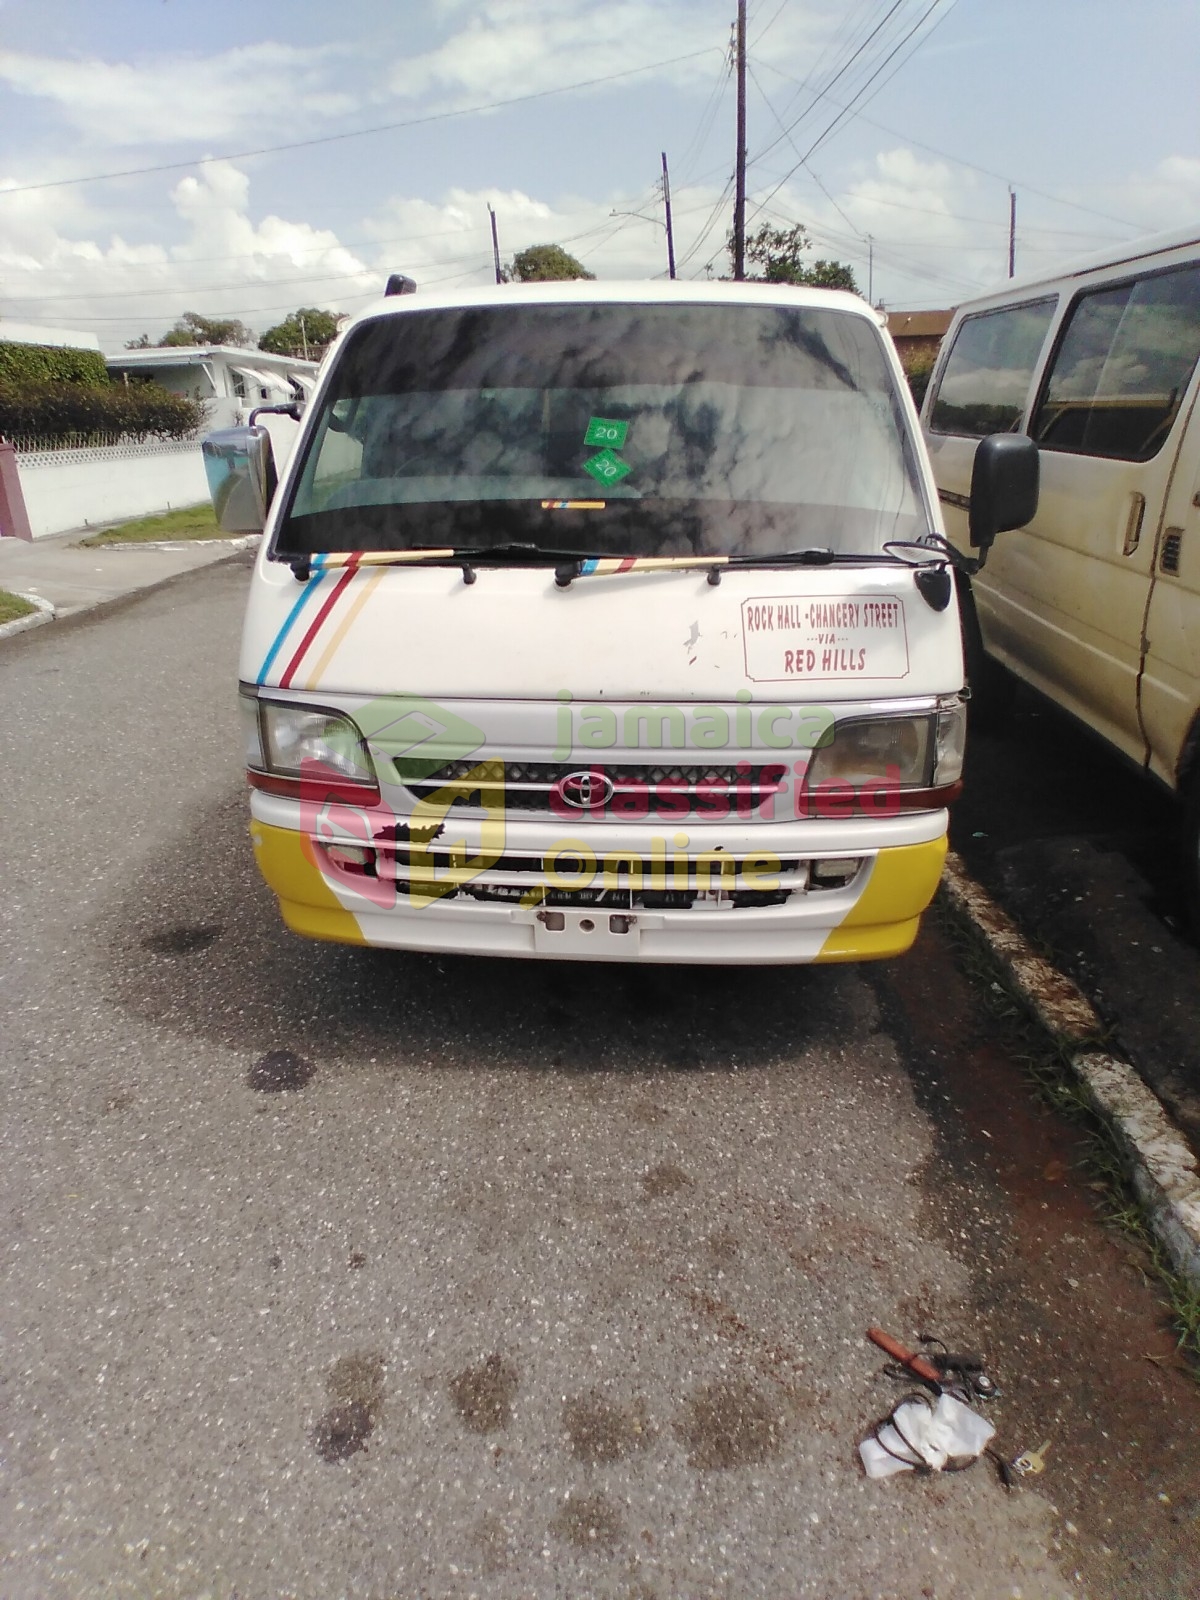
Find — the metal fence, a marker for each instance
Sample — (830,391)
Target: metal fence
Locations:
(28,444)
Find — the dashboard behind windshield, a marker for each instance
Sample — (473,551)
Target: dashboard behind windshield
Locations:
(620,428)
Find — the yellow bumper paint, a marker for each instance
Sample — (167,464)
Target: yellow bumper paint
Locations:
(883,921)
(308,904)
(886,916)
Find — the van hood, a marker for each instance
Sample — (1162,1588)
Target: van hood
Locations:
(840,633)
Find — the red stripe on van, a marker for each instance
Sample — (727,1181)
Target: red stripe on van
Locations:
(318,621)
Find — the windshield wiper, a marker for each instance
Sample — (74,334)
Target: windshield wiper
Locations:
(814,556)
(466,556)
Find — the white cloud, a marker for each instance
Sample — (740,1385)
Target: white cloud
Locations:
(225,264)
(450,241)
(186,98)
(522,47)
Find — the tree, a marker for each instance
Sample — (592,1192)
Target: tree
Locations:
(192,328)
(778,252)
(305,333)
(142,342)
(544,263)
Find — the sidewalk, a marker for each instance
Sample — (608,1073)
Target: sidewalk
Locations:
(72,579)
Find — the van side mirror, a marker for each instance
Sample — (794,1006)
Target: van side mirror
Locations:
(1004,486)
(240,467)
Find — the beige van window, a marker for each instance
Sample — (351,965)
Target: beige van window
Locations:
(985,382)
(1122,367)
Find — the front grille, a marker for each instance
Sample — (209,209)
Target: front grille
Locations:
(711,881)
(617,791)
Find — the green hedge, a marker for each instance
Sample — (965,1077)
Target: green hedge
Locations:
(918,369)
(75,413)
(37,364)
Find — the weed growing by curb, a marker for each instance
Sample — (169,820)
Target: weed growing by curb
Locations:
(13,607)
(187,522)
(1046,1063)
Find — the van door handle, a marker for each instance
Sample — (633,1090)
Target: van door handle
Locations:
(1133,526)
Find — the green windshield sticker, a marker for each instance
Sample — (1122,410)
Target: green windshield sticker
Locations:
(604,431)
(607,468)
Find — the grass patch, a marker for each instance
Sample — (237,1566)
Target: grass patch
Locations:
(1047,1064)
(189,522)
(12,607)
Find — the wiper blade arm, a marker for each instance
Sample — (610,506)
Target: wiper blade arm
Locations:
(319,562)
(611,566)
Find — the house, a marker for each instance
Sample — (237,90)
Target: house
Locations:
(232,381)
(918,333)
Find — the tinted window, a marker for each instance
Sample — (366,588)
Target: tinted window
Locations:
(986,380)
(625,428)
(1121,369)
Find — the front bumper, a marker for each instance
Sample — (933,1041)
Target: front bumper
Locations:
(873,917)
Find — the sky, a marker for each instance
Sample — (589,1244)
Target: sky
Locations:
(246,157)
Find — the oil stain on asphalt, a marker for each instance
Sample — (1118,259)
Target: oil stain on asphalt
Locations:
(355,1386)
(728,1425)
(665,1179)
(181,941)
(278,1071)
(483,1395)
(600,1431)
(589,1522)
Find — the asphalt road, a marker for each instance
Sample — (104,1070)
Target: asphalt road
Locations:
(330,1272)
(1085,852)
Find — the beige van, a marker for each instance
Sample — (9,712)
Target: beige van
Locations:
(1096,601)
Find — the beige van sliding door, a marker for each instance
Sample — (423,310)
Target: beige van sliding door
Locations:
(1068,595)
(1170,686)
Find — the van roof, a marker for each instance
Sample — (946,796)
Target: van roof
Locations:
(645,292)
(1113,255)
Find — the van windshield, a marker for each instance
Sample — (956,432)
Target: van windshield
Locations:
(618,428)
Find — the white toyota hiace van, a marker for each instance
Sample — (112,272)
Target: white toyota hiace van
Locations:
(604,621)
(1096,603)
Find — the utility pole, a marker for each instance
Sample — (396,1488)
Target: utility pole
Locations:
(870,269)
(1012,233)
(667,206)
(739,202)
(495,246)
(304,336)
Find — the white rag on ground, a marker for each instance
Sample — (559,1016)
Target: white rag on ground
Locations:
(932,1435)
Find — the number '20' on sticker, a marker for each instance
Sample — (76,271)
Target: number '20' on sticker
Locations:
(604,431)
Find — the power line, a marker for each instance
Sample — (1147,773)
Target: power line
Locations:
(804,163)
(357,133)
(766,150)
(778,13)
(850,31)
(971,166)
(848,109)
(923,40)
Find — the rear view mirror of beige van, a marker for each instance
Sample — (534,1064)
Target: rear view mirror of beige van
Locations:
(1004,486)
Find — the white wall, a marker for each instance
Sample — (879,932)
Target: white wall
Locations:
(67,489)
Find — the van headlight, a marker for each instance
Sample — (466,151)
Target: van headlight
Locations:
(289,745)
(921,753)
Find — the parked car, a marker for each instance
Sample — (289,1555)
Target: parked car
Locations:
(1096,602)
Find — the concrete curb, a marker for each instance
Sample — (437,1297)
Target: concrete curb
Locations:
(45,613)
(1162,1166)
(246,541)
(76,616)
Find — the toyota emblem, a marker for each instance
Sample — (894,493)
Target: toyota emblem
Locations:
(587,791)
